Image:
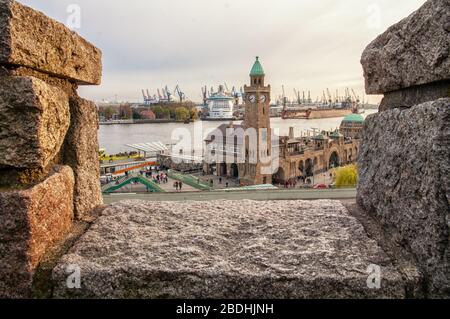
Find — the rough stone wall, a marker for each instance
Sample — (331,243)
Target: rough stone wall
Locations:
(31,222)
(49,170)
(229,249)
(81,153)
(405,155)
(413,52)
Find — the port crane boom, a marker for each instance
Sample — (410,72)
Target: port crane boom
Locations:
(356,97)
(330,99)
(181,94)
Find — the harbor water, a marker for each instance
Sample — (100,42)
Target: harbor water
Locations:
(114,138)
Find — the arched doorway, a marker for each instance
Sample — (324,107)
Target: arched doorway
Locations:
(212,169)
(309,167)
(223,169)
(301,167)
(334,160)
(280,176)
(234,170)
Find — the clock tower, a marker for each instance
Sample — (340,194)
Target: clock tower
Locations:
(257,167)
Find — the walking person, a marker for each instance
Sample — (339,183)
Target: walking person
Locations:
(180,185)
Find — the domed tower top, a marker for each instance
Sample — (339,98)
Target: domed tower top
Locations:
(257,69)
(257,74)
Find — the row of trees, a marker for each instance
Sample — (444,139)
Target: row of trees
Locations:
(174,111)
(179,113)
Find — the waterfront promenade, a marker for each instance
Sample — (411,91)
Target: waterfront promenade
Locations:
(290,194)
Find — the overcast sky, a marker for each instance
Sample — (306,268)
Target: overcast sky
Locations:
(303,44)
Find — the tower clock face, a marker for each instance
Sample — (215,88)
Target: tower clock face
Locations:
(252,98)
(263,98)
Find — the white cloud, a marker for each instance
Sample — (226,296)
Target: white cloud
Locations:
(309,45)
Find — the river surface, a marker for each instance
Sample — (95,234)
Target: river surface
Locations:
(114,138)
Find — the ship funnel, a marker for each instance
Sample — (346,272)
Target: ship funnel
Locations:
(291,133)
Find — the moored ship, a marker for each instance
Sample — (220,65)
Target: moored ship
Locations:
(328,107)
(219,106)
(315,111)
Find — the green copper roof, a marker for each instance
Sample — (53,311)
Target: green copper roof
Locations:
(355,118)
(336,134)
(320,137)
(257,68)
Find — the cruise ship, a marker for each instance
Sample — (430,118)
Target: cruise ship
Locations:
(219,106)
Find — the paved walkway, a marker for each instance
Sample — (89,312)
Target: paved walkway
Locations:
(291,194)
(219,182)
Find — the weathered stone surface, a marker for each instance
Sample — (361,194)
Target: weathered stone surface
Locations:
(31,222)
(415,95)
(31,39)
(226,249)
(412,52)
(404,182)
(15,178)
(69,87)
(34,119)
(81,153)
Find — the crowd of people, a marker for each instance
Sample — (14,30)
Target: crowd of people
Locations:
(159,178)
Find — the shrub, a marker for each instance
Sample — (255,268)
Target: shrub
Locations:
(346,176)
(182,113)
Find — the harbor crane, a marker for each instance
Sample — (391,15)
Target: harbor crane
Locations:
(297,96)
(315,130)
(356,97)
(205,94)
(236,95)
(330,99)
(242,93)
(284,97)
(146,97)
(168,94)
(180,93)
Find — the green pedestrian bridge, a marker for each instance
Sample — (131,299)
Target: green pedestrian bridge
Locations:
(130,179)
